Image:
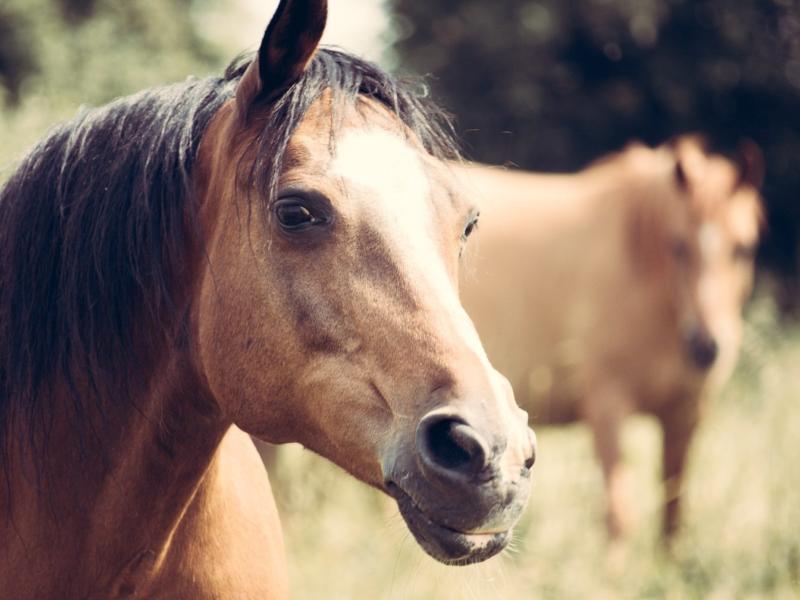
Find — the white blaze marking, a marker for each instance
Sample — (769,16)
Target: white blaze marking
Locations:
(710,241)
(398,202)
(389,173)
(384,162)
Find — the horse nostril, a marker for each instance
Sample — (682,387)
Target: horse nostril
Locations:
(451,447)
(703,350)
(531,459)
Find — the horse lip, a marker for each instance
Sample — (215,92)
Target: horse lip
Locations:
(446,544)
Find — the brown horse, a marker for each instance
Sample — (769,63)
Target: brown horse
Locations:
(617,289)
(273,252)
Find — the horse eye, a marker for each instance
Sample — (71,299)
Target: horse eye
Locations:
(744,252)
(471,226)
(293,215)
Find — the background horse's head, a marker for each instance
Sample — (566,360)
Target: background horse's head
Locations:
(327,311)
(697,234)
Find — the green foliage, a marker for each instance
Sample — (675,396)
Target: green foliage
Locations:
(90,52)
(56,55)
(76,10)
(16,56)
(553,84)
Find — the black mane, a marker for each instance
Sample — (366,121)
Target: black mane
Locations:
(93,223)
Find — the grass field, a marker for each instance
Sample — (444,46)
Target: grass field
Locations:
(741,536)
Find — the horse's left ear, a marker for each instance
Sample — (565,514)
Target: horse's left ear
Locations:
(680,174)
(289,42)
(751,163)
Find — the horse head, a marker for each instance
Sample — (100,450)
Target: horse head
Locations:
(327,312)
(696,234)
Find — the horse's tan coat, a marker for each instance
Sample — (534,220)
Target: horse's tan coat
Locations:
(581,304)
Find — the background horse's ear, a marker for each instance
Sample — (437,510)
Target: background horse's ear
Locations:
(288,44)
(680,174)
(751,163)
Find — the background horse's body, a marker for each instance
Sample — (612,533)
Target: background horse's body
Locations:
(209,258)
(596,295)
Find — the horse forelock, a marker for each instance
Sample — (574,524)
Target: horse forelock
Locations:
(93,223)
(342,81)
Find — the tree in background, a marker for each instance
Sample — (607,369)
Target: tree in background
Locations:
(553,84)
(72,51)
(16,57)
(75,11)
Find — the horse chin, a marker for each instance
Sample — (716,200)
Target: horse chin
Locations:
(445,544)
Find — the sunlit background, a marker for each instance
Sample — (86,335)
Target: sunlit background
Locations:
(547,85)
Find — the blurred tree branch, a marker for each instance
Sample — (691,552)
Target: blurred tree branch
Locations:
(95,50)
(17,61)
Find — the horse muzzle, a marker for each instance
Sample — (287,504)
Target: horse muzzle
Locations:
(459,489)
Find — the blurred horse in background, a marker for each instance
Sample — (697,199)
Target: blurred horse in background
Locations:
(617,289)
(275,252)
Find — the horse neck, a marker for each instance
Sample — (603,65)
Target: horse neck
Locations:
(644,191)
(120,481)
(610,195)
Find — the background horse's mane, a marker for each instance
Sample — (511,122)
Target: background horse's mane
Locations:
(93,223)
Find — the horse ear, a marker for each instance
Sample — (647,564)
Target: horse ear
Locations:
(751,164)
(289,42)
(680,174)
